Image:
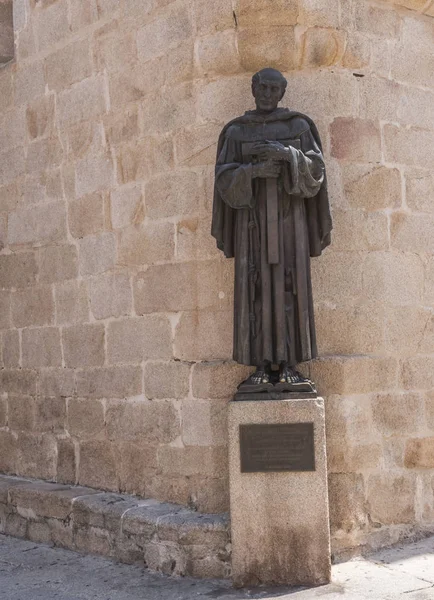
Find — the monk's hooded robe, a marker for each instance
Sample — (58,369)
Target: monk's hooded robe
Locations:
(274,318)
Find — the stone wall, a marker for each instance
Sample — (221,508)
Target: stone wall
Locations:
(116,306)
(6,32)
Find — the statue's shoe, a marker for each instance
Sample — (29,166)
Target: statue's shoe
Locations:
(255,384)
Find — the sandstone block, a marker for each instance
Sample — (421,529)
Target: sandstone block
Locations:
(258,13)
(193,460)
(204,422)
(97,466)
(157,422)
(314,13)
(51,23)
(412,231)
(41,117)
(218,53)
(43,153)
(68,65)
(56,383)
(5,309)
(85,418)
(29,82)
(169,195)
(407,329)
(15,526)
(50,414)
(372,230)
(172,111)
(147,243)
(322,47)
(209,494)
(204,335)
(83,345)
(33,306)
(337,277)
(45,499)
(411,62)
(355,140)
(354,374)
(92,540)
(217,379)
(132,166)
(9,196)
(169,488)
(277,43)
(189,528)
(82,13)
(38,224)
(419,188)
(357,52)
(18,381)
(165,379)
(97,253)
(114,47)
(383,273)
(7,89)
(93,173)
(372,189)
(429,409)
(38,531)
(134,340)
(133,83)
(57,263)
(381,99)
(42,187)
(37,455)
(3,412)
(419,453)
(40,347)
(111,295)
(21,413)
(109,382)
(86,215)
(12,165)
(398,414)
(66,472)
(83,101)
(347,501)
(409,146)
(126,206)
(350,329)
(197,145)
(13,129)
(429,282)
(417,372)
(84,139)
(72,303)
(375,20)
(136,462)
(392,498)
(164,31)
(217,16)
(8,451)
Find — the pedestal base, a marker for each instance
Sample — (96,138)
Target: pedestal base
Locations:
(279,510)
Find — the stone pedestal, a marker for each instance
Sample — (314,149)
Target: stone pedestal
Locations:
(279,518)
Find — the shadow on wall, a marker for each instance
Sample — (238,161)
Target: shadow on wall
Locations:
(6,32)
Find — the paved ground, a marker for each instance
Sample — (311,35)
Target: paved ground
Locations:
(31,571)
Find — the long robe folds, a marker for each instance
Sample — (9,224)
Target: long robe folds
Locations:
(273,305)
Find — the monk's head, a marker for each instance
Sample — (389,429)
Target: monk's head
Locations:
(268,88)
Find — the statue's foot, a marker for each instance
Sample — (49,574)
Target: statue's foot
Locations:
(291,380)
(259,381)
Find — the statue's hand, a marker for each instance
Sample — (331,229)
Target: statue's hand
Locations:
(271,150)
(267,169)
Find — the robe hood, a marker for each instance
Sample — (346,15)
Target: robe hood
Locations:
(319,220)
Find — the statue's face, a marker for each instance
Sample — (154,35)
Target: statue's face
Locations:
(268,93)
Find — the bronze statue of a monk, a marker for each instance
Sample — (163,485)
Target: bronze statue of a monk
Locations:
(271,212)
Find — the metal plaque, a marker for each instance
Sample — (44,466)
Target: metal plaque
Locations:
(273,448)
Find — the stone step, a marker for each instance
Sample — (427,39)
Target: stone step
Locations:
(161,536)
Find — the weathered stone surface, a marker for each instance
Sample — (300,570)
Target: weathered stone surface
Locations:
(136,462)
(65,473)
(347,501)
(86,215)
(204,422)
(40,347)
(57,263)
(300,510)
(398,414)
(97,467)
(419,453)
(356,140)
(33,306)
(38,224)
(97,254)
(372,189)
(18,381)
(72,302)
(146,244)
(68,66)
(392,498)
(85,418)
(126,206)
(217,379)
(11,348)
(191,460)
(134,340)
(109,382)
(204,335)
(84,100)
(322,47)
(111,295)
(167,379)
(83,345)
(36,455)
(157,422)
